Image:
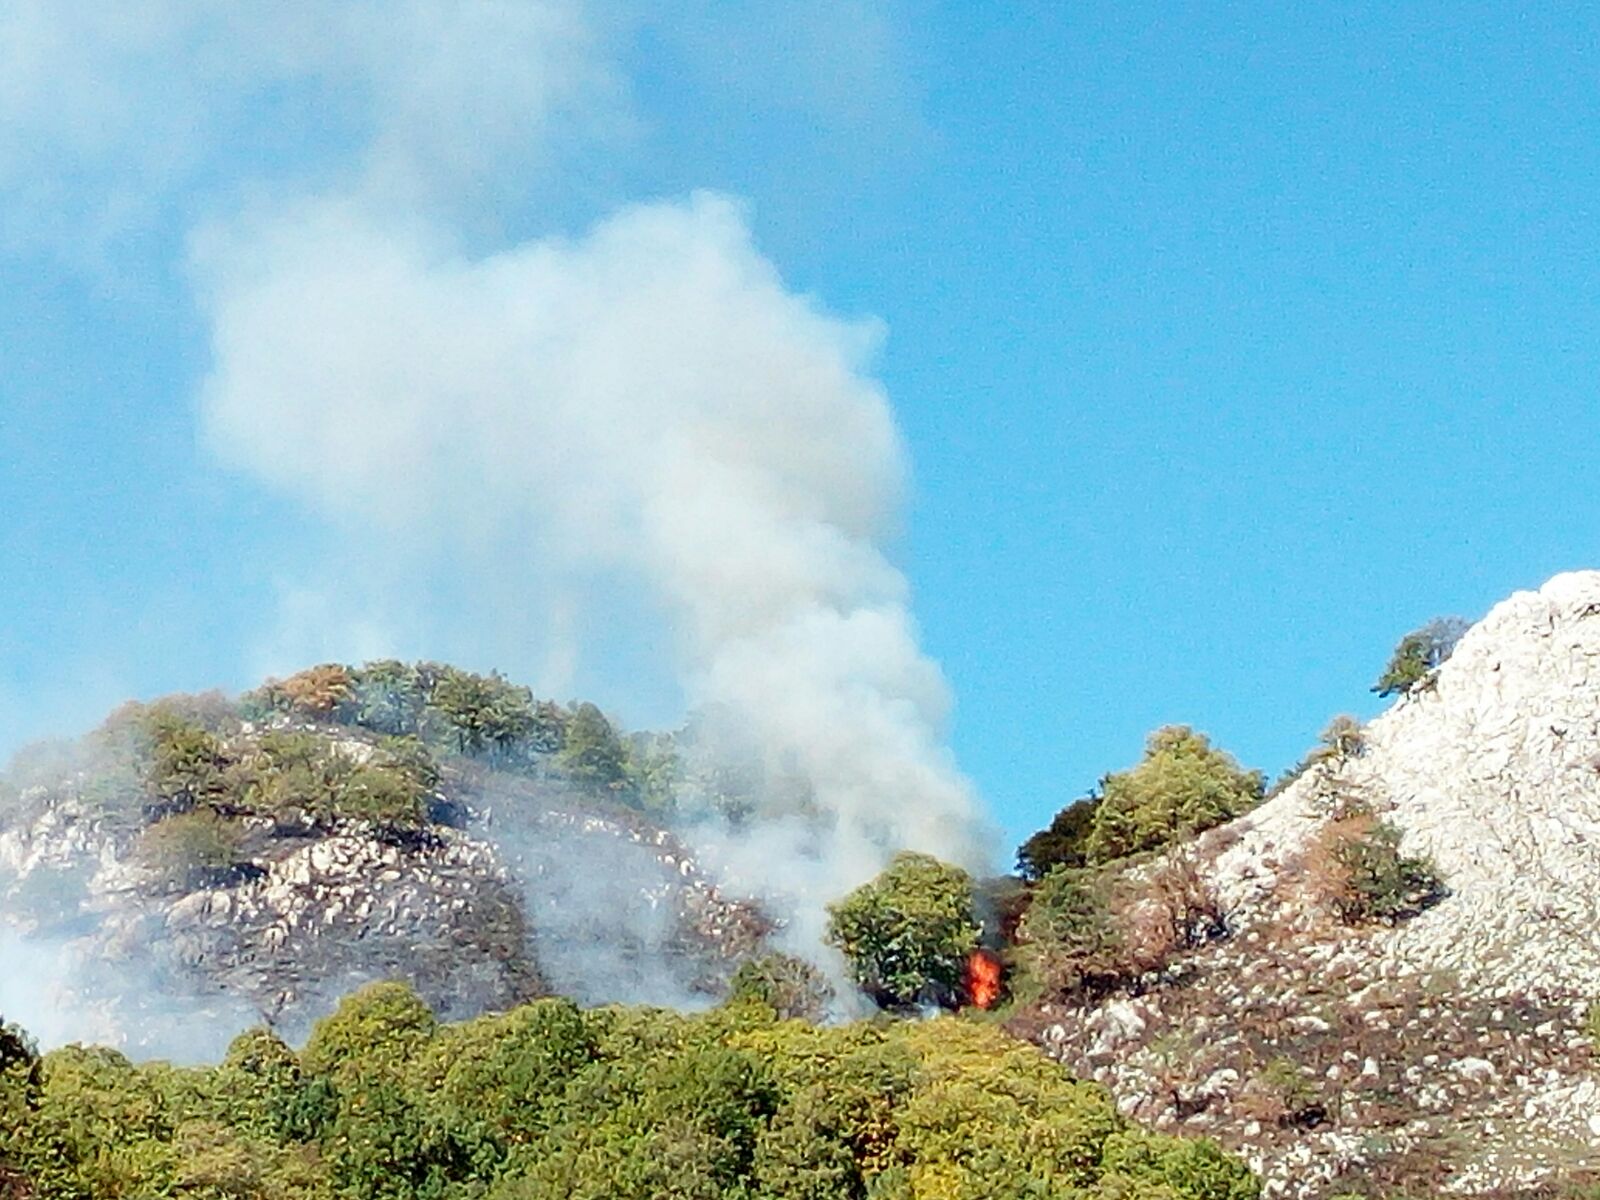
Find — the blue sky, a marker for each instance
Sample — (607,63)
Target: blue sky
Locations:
(1225,346)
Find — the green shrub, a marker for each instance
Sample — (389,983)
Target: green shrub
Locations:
(907,933)
(1358,865)
(791,987)
(1343,738)
(192,849)
(1182,786)
(1283,1093)
(1591,1024)
(488,715)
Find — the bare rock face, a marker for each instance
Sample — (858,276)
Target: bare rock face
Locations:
(1447,1050)
(133,960)
(1492,769)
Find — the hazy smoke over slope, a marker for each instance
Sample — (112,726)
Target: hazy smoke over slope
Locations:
(643,412)
(648,401)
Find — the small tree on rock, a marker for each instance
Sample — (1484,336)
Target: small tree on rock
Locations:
(1419,654)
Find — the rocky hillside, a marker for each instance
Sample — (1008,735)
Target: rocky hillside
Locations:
(199,865)
(1448,1046)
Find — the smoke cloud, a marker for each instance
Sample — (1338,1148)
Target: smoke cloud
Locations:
(639,417)
(647,404)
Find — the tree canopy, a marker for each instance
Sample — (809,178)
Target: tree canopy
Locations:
(907,933)
(548,1102)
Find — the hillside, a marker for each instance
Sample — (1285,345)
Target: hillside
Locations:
(1447,1047)
(199,864)
(1378,978)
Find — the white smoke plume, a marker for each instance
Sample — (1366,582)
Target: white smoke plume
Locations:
(641,417)
(649,403)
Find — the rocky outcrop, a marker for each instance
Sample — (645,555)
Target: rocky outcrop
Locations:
(1448,1050)
(531,888)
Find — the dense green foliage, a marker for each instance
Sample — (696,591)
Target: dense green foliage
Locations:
(1419,653)
(1061,843)
(908,932)
(1182,786)
(549,1102)
(790,987)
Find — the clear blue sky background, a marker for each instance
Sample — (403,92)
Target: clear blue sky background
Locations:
(1229,343)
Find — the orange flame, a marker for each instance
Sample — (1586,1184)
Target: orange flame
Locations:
(983,978)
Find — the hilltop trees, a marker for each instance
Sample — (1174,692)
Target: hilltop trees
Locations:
(1182,786)
(1061,843)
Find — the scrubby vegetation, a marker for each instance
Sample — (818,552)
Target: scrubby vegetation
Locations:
(1089,929)
(1097,911)
(549,1101)
(1343,738)
(1358,870)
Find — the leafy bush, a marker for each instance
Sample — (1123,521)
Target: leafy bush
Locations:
(1283,1093)
(1591,1025)
(1358,867)
(790,987)
(192,849)
(302,774)
(1419,654)
(1182,786)
(1344,737)
(907,933)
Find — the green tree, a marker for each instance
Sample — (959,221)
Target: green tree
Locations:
(188,765)
(490,715)
(1419,654)
(1182,786)
(593,753)
(388,697)
(381,1025)
(1062,843)
(19,1093)
(907,933)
